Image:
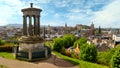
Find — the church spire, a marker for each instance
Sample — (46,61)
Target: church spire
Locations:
(99,30)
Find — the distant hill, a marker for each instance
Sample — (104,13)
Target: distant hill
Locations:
(15,25)
(21,26)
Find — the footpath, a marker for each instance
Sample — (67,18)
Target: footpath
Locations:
(52,62)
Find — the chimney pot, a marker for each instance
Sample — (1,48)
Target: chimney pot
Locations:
(31,4)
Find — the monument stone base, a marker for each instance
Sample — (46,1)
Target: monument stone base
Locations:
(32,48)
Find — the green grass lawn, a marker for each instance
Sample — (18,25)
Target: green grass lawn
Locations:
(7,55)
(80,63)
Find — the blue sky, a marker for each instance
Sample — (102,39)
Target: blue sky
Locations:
(104,13)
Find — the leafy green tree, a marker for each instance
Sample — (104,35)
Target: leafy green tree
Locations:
(68,40)
(88,52)
(115,61)
(105,57)
(58,44)
(80,42)
(61,43)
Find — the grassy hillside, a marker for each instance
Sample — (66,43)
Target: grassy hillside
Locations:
(80,63)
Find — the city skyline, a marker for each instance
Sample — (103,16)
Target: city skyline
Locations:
(58,12)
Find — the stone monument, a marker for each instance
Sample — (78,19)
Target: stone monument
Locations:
(31,44)
(35,28)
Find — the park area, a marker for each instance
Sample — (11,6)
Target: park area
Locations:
(67,52)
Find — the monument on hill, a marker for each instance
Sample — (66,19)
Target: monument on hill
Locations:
(33,29)
(31,44)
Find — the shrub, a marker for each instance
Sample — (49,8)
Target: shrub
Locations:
(63,50)
(104,57)
(75,55)
(88,53)
(50,44)
(115,61)
(68,53)
(6,48)
(2,42)
(80,42)
(58,44)
(68,40)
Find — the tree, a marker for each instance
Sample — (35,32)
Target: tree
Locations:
(115,61)
(68,40)
(80,42)
(2,42)
(88,52)
(58,44)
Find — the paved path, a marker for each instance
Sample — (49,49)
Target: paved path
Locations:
(52,62)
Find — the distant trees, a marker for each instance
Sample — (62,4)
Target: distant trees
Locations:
(88,52)
(2,42)
(64,42)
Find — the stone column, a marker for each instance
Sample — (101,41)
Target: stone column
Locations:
(24,26)
(30,26)
(38,25)
(30,54)
(15,49)
(46,53)
(35,25)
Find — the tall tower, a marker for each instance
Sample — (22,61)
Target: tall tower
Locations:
(32,14)
(92,30)
(66,28)
(99,30)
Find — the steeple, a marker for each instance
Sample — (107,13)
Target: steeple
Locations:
(92,25)
(99,30)
(65,25)
(92,30)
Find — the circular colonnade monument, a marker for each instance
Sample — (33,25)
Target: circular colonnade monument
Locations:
(31,44)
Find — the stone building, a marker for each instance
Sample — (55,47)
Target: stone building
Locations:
(92,30)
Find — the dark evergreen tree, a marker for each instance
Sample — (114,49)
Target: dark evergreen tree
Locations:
(99,30)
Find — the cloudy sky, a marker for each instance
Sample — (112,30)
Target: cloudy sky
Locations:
(104,13)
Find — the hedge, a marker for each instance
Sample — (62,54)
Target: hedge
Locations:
(6,48)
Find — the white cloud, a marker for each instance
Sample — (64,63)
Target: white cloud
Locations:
(9,9)
(53,23)
(75,10)
(109,16)
(60,3)
(78,18)
(56,15)
(40,1)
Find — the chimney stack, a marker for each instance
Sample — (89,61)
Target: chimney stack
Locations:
(31,4)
